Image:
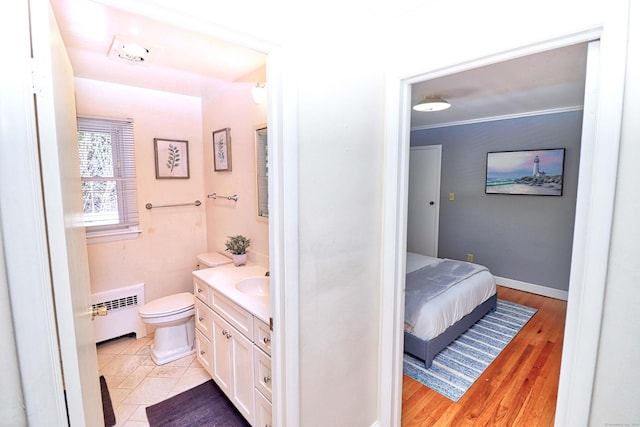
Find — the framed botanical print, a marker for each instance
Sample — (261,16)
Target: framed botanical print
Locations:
(222,150)
(172,158)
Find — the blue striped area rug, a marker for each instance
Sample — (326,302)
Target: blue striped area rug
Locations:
(460,364)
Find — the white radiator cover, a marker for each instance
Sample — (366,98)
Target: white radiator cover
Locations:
(122,313)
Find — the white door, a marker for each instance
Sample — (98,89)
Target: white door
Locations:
(56,115)
(424,200)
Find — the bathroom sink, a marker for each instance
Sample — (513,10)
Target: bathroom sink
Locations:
(256,286)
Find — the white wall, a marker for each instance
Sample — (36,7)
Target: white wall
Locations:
(235,109)
(616,393)
(340,145)
(165,253)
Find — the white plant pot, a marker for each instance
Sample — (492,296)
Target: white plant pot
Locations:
(239,260)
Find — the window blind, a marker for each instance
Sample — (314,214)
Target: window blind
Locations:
(107,170)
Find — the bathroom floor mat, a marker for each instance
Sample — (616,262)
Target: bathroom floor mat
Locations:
(204,405)
(107,407)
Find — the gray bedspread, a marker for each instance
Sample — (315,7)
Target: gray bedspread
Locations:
(431,280)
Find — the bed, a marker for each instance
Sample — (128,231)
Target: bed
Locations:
(443,298)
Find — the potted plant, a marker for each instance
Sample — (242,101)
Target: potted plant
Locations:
(238,245)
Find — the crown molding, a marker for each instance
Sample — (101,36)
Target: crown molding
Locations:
(503,117)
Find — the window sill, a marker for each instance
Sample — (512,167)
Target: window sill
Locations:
(112,236)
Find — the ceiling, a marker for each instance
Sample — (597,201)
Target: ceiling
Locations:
(552,80)
(192,63)
(180,61)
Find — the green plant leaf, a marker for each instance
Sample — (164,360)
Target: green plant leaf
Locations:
(237,245)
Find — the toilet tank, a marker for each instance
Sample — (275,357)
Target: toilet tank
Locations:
(212,259)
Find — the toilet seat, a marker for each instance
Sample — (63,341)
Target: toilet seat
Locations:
(167,306)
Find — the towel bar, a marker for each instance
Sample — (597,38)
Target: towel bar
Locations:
(150,206)
(217,196)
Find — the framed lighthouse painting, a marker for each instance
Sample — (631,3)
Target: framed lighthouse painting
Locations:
(525,172)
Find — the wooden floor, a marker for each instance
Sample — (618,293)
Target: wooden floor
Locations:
(518,389)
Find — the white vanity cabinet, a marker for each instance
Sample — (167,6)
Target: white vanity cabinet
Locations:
(233,365)
(234,347)
(262,372)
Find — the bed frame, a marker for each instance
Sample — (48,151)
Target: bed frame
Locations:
(427,349)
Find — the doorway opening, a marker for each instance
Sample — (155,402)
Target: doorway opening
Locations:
(601,111)
(276,230)
(504,232)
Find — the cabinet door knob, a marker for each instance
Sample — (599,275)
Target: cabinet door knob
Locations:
(228,335)
(202,353)
(201,318)
(266,379)
(266,340)
(224,332)
(199,290)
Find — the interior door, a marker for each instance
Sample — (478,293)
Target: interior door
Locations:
(56,116)
(424,200)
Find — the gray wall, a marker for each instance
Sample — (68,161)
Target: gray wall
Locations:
(526,238)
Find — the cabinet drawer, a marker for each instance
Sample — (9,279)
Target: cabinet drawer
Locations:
(204,322)
(262,335)
(263,411)
(201,291)
(237,317)
(262,372)
(204,351)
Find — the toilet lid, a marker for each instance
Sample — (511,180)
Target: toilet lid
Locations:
(170,304)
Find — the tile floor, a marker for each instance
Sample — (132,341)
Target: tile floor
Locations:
(136,382)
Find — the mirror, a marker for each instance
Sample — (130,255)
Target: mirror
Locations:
(262,172)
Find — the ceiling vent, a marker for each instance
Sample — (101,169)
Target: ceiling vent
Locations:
(126,49)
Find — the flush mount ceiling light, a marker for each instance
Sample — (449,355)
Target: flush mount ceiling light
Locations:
(126,50)
(135,52)
(259,93)
(431,103)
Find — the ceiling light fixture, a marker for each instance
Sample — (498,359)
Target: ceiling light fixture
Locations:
(125,50)
(259,93)
(134,52)
(431,103)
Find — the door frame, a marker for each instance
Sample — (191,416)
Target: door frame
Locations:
(436,231)
(25,234)
(24,228)
(594,211)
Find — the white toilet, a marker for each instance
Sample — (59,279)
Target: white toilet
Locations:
(173,318)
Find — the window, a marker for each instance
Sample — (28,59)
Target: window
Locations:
(107,171)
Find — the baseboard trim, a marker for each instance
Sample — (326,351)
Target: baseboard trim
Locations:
(532,288)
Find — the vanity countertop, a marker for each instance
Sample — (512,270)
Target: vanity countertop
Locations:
(224,279)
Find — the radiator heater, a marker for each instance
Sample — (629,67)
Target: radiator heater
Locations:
(122,313)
